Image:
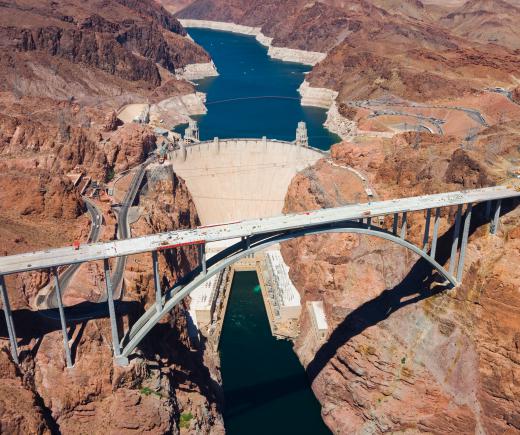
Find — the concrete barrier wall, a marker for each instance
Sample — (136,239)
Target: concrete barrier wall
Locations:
(236,179)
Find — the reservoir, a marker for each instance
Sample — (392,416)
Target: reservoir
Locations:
(266,388)
(254,95)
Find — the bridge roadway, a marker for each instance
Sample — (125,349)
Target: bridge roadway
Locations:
(99,251)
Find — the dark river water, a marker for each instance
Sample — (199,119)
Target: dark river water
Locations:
(266,389)
(254,95)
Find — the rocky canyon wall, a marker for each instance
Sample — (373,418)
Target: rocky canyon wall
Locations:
(167,377)
(66,68)
(403,352)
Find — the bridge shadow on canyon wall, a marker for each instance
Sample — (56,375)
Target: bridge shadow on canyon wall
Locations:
(34,325)
(413,288)
(420,283)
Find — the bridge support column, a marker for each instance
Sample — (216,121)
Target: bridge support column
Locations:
(202,254)
(111,310)
(157,282)
(369,222)
(435,235)
(464,244)
(427,229)
(455,241)
(9,320)
(403,225)
(496,218)
(63,321)
(396,222)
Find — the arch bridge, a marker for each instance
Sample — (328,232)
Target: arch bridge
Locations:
(250,236)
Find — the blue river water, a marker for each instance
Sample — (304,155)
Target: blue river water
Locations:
(266,389)
(254,95)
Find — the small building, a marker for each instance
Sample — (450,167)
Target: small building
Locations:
(203,300)
(319,323)
(302,138)
(286,296)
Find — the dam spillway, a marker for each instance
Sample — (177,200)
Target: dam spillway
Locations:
(236,179)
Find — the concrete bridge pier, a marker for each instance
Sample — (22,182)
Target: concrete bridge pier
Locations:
(9,320)
(202,256)
(465,234)
(157,282)
(427,229)
(496,218)
(455,241)
(63,320)
(395,224)
(112,312)
(435,235)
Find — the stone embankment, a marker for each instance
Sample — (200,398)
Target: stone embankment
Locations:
(326,99)
(197,71)
(168,112)
(282,53)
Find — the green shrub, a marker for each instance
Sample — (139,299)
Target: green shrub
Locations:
(146,391)
(111,174)
(184,421)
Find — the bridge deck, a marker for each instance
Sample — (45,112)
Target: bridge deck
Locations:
(98,251)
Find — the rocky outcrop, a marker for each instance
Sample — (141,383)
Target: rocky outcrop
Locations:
(135,46)
(66,69)
(403,353)
(29,145)
(198,71)
(516,95)
(316,97)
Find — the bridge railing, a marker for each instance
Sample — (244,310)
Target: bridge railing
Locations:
(372,219)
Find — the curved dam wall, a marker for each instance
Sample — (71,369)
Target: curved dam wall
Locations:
(236,179)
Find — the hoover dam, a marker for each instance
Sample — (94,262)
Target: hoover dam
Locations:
(237,179)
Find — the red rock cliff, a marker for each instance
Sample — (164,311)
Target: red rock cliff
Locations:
(404,353)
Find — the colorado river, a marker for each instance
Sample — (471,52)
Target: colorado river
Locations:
(266,388)
(254,95)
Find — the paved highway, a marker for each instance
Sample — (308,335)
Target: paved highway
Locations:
(137,245)
(49,300)
(124,229)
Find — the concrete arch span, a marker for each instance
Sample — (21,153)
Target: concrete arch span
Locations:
(239,250)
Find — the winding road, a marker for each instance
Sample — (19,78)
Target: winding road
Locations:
(48,301)
(123,230)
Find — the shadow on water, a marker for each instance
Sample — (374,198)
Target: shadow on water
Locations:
(241,400)
(266,389)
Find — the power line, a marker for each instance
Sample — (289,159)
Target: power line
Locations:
(260,97)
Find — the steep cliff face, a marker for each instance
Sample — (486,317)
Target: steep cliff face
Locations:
(404,353)
(66,68)
(166,378)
